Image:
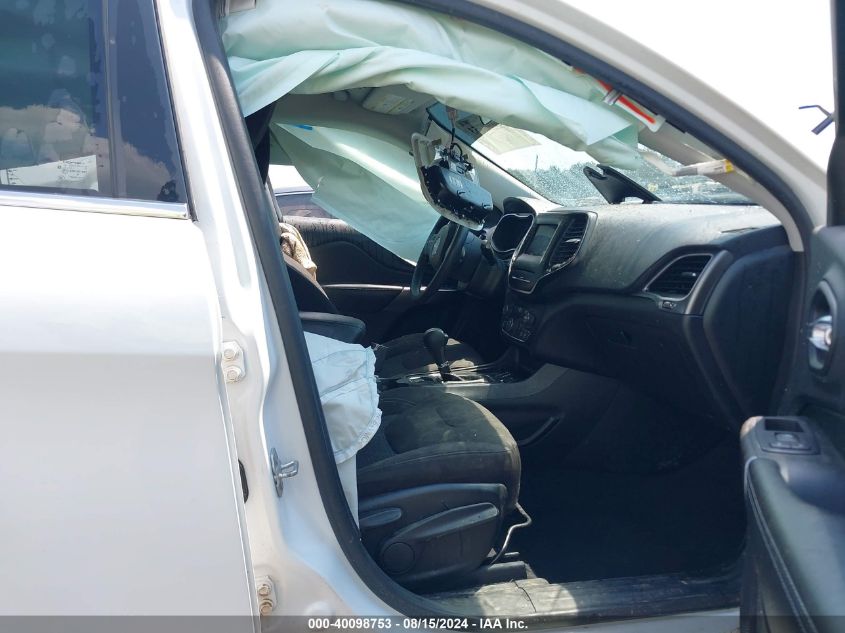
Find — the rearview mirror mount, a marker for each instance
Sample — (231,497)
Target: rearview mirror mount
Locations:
(449,182)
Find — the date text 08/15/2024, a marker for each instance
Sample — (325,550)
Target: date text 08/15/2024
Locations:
(414,624)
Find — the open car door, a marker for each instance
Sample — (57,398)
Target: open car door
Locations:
(795,464)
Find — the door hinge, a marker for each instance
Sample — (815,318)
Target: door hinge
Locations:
(266,590)
(232,362)
(281,471)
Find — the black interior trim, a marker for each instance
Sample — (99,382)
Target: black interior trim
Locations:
(835,183)
(189,199)
(337,326)
(259,217)
(616,187)
(793,494)
(258,126)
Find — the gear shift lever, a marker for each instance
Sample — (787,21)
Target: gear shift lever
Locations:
(435,340)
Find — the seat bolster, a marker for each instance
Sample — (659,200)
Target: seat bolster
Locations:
(446,463)
(337,326)
(430,437)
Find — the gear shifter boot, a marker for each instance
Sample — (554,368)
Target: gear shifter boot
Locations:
(435,341)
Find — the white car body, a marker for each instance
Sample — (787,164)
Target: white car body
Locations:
(122,493)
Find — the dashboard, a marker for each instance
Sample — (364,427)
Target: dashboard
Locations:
(552,243)
(674,298)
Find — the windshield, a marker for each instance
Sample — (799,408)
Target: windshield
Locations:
(556,172)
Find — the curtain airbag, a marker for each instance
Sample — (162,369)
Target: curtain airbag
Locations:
(369,183)
(289,46)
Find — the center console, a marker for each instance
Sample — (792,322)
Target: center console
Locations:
(501,372)
(517,322)
(529,397)
(531,403)
(552,244)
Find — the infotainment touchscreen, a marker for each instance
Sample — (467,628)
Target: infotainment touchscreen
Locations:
(540,242)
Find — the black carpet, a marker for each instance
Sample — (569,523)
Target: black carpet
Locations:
(593,524)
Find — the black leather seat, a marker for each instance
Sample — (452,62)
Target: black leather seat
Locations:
(434,485)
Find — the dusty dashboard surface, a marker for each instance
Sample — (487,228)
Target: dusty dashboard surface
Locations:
(655,294)
(613,247)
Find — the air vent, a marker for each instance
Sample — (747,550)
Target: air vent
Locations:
(570,241)
(679,277)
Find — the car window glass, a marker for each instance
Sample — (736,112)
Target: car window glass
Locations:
(53,100)
(556,172)
(78,116)
(300,205)
(149,151)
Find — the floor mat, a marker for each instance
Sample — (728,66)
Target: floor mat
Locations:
(590,525)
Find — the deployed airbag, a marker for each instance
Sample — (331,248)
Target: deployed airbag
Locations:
(324,47)
(403,55)
(345,377)
(369,183)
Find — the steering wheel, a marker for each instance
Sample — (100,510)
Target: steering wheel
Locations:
(441,252)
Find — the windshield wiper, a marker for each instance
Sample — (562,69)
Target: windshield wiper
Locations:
(616,187)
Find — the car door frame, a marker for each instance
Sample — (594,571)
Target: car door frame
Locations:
(568,35)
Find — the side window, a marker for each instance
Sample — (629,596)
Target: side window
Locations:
(300,205)
(83,113)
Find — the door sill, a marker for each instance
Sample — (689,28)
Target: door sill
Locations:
(603,600)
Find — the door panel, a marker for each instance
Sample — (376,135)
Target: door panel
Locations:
(345,256)
(364,279)
(121,481)
(796,506)
(818,374)
(389,311)
(795,471)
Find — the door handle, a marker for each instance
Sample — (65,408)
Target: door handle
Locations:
(821,333)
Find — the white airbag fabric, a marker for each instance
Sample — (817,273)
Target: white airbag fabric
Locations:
(311,48)
(290,46)
(376,193)
(345,376)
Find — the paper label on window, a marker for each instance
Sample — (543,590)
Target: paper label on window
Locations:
(503,139)
(71,173)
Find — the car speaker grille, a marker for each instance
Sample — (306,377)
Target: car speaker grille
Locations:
(570,241)
(679,277)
